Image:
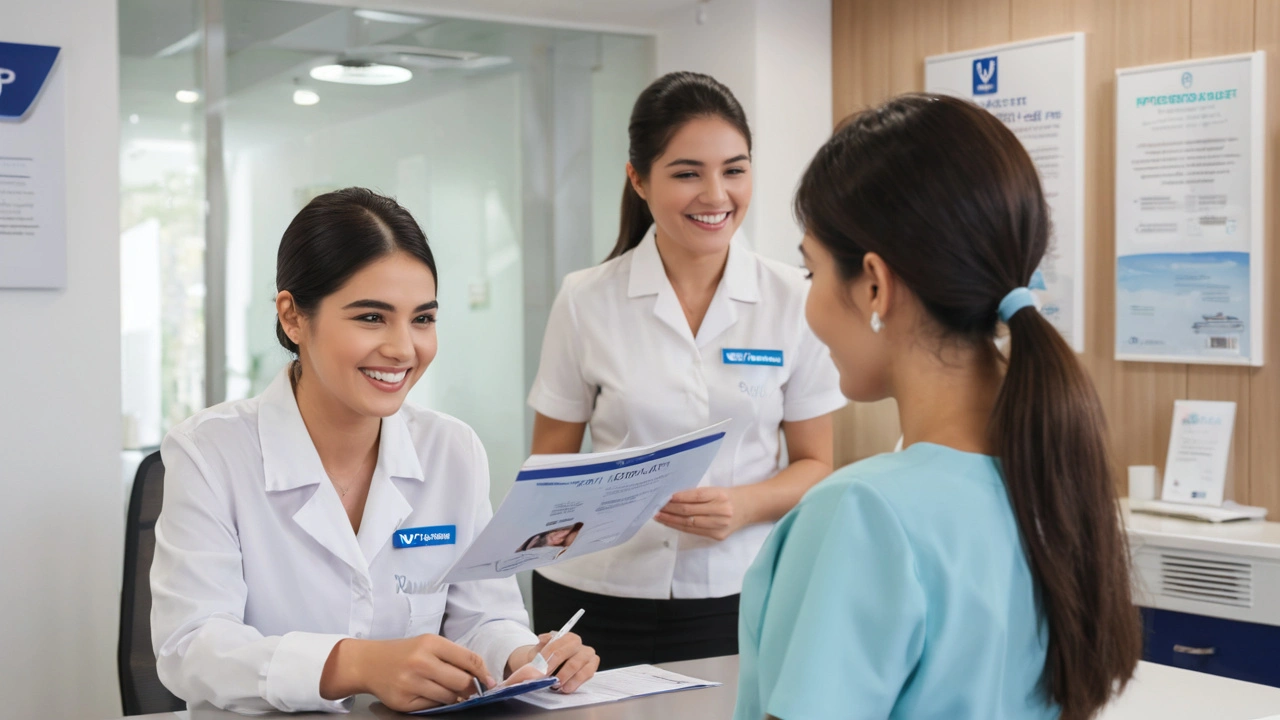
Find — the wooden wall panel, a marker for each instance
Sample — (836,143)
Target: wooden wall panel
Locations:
(914,31)
(1095,18)
(919,29)
(975,23)
(860,31)
(1037,18)
(892,44)
(1147,31)
(1221,27)
(1152,31)
(859,42)
(1225,27)
(1264,382)
(848,19)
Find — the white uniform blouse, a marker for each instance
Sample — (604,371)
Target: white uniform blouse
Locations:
(258,574)
(618,353)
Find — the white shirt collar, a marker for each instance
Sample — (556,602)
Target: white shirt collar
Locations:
(289,456)
(648,277)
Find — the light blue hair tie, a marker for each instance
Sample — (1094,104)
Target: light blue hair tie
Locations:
(1017,299)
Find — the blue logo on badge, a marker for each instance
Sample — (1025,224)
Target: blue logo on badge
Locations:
(1187,79)
(985,80)
(743,356)
(23,71)
(425,536)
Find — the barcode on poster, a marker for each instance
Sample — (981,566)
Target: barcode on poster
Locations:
(1224,343)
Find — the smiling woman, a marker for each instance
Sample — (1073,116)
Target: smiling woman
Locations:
(683,326)
(356,304)
(283,578)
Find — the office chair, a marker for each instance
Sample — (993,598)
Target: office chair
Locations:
(141,691)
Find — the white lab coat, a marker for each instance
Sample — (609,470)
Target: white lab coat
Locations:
(618,353)
(258,574)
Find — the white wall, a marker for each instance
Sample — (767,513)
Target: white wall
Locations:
(775,55)
(724,47)
(792,112)
(60,431)
(626,67)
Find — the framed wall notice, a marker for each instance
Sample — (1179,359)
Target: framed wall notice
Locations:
(1190,176)
(33,246)
(1036,87)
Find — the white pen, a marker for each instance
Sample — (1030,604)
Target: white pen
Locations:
(540,662)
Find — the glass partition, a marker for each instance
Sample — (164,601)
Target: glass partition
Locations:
(506,142)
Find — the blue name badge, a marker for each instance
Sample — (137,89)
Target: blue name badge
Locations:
(425,536)
(746,356)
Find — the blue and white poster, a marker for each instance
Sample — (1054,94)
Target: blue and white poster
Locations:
(1190,161)
(33,248)
(1036,88)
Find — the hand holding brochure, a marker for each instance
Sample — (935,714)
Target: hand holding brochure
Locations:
(564,506)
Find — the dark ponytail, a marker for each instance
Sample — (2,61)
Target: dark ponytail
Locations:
(661,110)
(335,236)
(948,197)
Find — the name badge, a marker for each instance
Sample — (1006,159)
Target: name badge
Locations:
(745,356)
(425,536)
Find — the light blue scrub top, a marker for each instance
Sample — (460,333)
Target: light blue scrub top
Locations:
(897,588)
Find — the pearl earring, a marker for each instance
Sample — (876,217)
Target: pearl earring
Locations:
(876,324)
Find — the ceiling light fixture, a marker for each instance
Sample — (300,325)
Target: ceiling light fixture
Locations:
(361,73)
(305,97)
(187,96)
(389,17)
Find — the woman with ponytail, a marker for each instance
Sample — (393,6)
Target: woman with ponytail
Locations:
(683,326)
(981,572)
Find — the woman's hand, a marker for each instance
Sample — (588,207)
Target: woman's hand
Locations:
(570,661)
(714,512)
(406,675)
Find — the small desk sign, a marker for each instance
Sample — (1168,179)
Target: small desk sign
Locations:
(1199,447)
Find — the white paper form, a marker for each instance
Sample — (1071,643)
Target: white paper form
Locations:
(614,685)
(572,505)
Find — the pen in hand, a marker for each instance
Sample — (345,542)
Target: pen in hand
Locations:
(539,661)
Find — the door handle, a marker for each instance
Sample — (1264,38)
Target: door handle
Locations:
(1188,650)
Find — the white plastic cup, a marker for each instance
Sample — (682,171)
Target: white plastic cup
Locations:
(1142,482)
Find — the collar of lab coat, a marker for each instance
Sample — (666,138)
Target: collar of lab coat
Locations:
(289,456)
(648,277)
(740,283)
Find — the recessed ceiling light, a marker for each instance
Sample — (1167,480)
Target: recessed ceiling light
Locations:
(389,17)
(305,97)
(187,96)
(362,73)
(486,61)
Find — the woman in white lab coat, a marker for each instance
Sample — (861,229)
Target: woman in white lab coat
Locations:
(682,327)
(304,531)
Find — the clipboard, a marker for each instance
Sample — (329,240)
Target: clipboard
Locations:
(496,695)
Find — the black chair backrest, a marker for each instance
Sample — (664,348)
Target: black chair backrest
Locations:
(141,691)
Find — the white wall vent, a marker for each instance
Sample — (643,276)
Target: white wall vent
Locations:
(1223,582)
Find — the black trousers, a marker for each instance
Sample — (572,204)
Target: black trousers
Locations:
(632,631)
